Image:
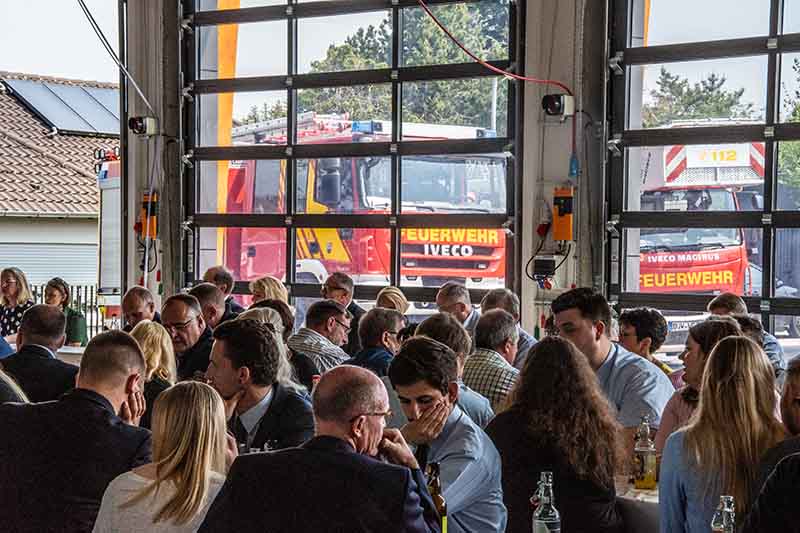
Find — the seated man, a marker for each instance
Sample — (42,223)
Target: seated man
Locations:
(223,279)
(59,457)
(453,298)
(191,337)
(326,329)
(424,374)
(508,301)
(332,482)
(642,331)
(138,305)
(340,287)
(212,302)
(445,328)
(244,370)
(378,331)
(35,367)
(489,370)
(728,303)
(634,386)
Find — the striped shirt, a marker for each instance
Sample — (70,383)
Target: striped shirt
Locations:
(319,349)
(490,375)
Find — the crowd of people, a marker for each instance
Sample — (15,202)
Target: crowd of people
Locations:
(203,416)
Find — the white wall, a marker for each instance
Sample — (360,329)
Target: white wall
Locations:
(48,230)
(552,51)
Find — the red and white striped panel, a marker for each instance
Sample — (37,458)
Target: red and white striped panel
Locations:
(674,161)
(757,151)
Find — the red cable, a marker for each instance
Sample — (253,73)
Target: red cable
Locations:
(484,63)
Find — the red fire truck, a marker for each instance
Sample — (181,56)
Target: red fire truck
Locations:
(431,185)
(722,177)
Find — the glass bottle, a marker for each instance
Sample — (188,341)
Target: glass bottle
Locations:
(435,489)
(644,458)
(725,516)
(546,518)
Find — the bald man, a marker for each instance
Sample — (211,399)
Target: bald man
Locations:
(322,484)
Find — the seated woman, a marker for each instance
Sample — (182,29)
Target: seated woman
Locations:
(719,451)
(392,298)
(191,455)
(16,298)
(559,420)
(268,288)
(56,292)
(159,357)
(701,340)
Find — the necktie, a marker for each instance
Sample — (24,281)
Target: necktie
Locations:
(422,455)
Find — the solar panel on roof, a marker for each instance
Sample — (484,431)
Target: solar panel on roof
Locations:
(70,108)
(87,107)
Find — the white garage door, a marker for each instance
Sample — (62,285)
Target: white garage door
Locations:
(75,263)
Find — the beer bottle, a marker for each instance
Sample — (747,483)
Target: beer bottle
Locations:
(644,458)
(435,488)
(725,516)
(546,518)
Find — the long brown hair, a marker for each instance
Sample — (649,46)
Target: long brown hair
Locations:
(559,395)
(735,422)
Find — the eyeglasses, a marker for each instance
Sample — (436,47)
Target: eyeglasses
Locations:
(345,326)
(386,415)
(175,327)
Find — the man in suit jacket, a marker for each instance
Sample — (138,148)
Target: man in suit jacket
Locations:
(137,305)
(182,317)
(332,482)
(34,367)
(58,457)
(244,367)
(223,279)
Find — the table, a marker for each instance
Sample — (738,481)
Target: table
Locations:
(637,507)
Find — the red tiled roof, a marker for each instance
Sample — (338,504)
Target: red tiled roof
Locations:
(45,174)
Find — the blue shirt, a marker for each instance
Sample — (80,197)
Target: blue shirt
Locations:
(5,348)
(470,473)
(683,505)
(634,386)
(375,359)
(471,322)
(476,406)
(526,342)
(251,418)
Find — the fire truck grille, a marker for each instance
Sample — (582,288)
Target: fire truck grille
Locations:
(420,249)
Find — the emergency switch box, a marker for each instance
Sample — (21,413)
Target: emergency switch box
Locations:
(562,213)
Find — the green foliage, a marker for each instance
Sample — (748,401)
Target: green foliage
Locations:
(677,99)
(789,151)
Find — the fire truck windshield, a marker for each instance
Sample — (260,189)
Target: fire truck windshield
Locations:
(700,199)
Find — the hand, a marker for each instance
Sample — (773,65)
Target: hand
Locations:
(133,408)
(231,403)
(394,448)
(231,450)
(428,426)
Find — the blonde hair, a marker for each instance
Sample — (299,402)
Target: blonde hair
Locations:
(734,423)
(392,298)
(8,380)
(272,287)
(156,345)
(267,315)
(23,289)
(188,446)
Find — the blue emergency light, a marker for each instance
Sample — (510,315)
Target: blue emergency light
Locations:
(367,127)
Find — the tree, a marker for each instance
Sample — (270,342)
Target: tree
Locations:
(482,27)
(677,99)
(789,151)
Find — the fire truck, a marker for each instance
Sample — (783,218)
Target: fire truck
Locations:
(690,178)
(431,185)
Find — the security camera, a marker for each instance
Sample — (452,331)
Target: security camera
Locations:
(143,125)
(559,105)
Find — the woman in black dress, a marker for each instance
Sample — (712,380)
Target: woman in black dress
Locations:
(16,298)
(159,357)
(558,420)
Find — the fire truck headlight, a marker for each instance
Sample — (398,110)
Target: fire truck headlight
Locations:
(482,266)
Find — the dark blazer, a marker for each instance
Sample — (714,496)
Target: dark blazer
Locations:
(196,358)
(57,458)
(585,506)
(40,375)
(353,345)
(232,306)
(304,369)
(7,392)
(152,389)
(323,485)
(775,508)
(288,421)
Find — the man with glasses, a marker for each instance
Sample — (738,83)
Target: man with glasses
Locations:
(425,375)
(339,287)
(326,330)
(182,317)
(333,482)
(378,331)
